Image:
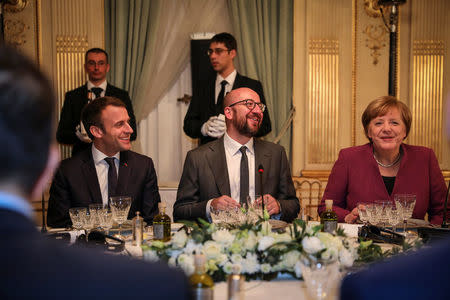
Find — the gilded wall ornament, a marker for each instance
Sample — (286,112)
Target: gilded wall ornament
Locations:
(372,8)
(15,32)
(15,6)
(375,41)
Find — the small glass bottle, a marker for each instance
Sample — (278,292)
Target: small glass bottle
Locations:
(202,285)
(161,224)
(235,285)
(138,229)
(328,218)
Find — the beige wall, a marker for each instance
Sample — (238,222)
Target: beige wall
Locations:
(341,63)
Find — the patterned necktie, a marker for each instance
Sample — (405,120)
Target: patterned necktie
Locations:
(97,91)
(219,105)
(244,176)
(112,176)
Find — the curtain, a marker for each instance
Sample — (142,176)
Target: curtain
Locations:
(264,30)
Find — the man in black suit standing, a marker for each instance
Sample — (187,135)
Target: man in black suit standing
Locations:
(107,168)
(70,130)
(32,266)
(204,118)
(221,174)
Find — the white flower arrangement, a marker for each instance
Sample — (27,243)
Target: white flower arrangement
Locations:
(253,250)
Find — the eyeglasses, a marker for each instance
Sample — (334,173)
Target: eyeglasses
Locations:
(251,104)
(218,51)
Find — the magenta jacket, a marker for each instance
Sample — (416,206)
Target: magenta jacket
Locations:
(355,177)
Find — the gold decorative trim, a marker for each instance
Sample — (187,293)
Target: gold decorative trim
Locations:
(38,32)
(15,6)
(375,41)
(428,47)
(372,8)
(15,32)
(354,43)
(322,175)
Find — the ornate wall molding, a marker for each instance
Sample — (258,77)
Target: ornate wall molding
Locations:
(376,40)
(372,8)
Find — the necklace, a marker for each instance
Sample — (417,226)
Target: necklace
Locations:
(388,165)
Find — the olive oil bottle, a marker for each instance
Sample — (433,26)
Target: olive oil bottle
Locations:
(328,218)
(161,224)
(202,285)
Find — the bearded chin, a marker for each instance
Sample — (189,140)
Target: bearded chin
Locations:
(244,129)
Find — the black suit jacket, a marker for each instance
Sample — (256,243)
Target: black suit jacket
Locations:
(34,267)
(203,106)
(75,184)
(205,176)
(74,102)
(424,274)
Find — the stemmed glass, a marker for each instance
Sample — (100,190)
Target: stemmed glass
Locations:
(362,212)
(405,204)
(76,216)
(120,206)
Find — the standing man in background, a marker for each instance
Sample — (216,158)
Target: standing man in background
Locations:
(70,130)
(205,119)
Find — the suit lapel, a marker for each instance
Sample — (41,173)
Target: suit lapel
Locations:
(218,164)
(124,173)
(262,157)
(237,81)
(90,176)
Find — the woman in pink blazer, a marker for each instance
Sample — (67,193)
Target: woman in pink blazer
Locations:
(386,166)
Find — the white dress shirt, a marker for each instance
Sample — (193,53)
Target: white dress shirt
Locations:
(103,85)
(102,167)
(233,156)
(230,81)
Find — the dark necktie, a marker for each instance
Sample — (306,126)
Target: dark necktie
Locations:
(112,176)
(219,105)
(244,176)
(97,91)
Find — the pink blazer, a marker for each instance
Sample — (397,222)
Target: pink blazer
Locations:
(355,177)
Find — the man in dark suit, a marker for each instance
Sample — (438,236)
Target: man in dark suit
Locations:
(70,130)
(204,118)
(32,266)
(222,173)
(107,168)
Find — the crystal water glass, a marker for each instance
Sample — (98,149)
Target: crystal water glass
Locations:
(405,203)
(76,216)
(120,206)
(96,210)
(362,212)
(321,276)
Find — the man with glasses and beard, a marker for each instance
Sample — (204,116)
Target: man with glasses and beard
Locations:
(204,118)
(221,174)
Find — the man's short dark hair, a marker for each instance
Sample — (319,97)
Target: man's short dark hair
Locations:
(225,38)
(92,112)
(27,116)
(95,50)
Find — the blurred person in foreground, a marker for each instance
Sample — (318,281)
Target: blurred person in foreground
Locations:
(32,266)
(386,166)
(421,275)
(107,168)
(213,173)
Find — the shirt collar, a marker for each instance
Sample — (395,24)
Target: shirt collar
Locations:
(230,78)
(16,203)
(103,85)
(232,147)
(99,156)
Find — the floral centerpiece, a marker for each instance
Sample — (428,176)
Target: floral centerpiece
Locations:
(255,250)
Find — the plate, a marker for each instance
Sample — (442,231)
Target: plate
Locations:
(277,224)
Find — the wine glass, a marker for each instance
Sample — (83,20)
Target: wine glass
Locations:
(405,204)
(362,212)
(120,206)
(95,209)
(76,216)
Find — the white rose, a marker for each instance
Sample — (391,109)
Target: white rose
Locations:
(265,242)
(186,262)
(266,268)
(179,239)
(223,237)
(222,259)
(346,258)
(236,258)
(212,249)
(291,258)
(229,267)
(312,244)
(250,264)
(150,255)
(192,247)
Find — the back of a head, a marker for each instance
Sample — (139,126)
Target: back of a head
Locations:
(225,38)
(27,113)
